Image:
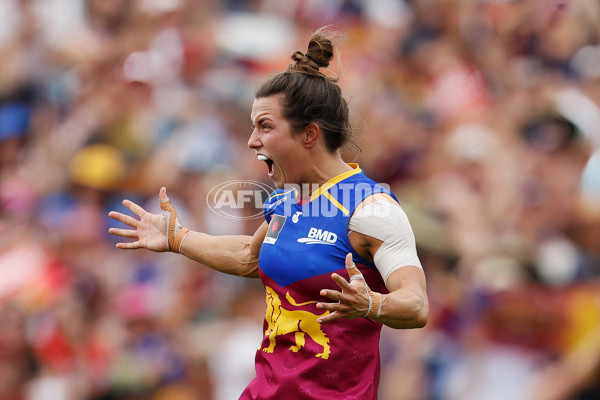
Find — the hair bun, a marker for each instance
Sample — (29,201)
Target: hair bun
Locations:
(320,49)
(318,55)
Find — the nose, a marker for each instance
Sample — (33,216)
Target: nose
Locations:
(254,142)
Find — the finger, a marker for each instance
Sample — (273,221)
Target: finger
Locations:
(341,282)
(128,233)
(351,268)
(333,295)
(165,203)
(137,210)
(349,261)
(126,219)
(129,246)
(162,194)
(339,307)
(330,317)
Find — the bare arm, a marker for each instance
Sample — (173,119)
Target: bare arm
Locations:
(235,255)
(405,307)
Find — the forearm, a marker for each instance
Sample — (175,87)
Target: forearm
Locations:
(404,309)
(228,254)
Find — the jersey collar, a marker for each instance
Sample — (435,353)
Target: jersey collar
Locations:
(323,188)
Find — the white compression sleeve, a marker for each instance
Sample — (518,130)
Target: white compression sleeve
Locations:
(387,222)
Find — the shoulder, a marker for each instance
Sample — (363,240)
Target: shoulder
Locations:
(368,190)
(379,196)
(380,216)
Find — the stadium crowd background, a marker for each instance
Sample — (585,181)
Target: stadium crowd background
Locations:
(482,116)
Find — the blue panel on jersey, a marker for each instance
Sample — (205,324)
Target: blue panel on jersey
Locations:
(308,240)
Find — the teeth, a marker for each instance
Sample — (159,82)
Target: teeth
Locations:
(262,158)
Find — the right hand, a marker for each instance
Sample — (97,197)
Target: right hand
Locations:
(150,230)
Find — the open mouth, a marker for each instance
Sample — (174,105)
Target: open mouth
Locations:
(269,163)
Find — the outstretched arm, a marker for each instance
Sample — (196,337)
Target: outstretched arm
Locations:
(235,255)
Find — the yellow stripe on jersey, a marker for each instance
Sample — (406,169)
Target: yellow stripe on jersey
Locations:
(323,189)
(336,203)
(280,194)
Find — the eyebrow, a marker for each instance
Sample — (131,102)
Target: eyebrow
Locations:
(261,120)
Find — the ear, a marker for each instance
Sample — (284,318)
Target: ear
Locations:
(310,135)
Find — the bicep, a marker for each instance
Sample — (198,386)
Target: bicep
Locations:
(250,253)
(257,239)
(409,278)
(407,301)
(387,235)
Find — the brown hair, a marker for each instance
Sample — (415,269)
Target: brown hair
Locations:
(309,95)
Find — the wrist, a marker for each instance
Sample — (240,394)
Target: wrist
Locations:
(177,243)
(375,305)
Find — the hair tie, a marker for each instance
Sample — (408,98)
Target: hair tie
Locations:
(311,58)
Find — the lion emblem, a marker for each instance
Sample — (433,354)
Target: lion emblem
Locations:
(281,321)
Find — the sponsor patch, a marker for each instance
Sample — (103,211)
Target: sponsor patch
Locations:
(275,227)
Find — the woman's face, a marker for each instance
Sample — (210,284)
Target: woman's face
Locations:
(274,142)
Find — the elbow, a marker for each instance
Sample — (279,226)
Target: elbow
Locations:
(249,268)
(423,311)
(418,312)
(421,315)
(251,273)
(417,316)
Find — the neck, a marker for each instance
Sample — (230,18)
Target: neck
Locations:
(323,170)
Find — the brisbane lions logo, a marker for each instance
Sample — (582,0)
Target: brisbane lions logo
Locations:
(282,321)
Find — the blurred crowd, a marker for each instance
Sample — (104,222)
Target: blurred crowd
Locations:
(482,115)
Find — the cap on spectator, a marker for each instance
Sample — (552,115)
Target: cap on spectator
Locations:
(98,166)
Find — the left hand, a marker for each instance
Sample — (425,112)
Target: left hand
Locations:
(354,299)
